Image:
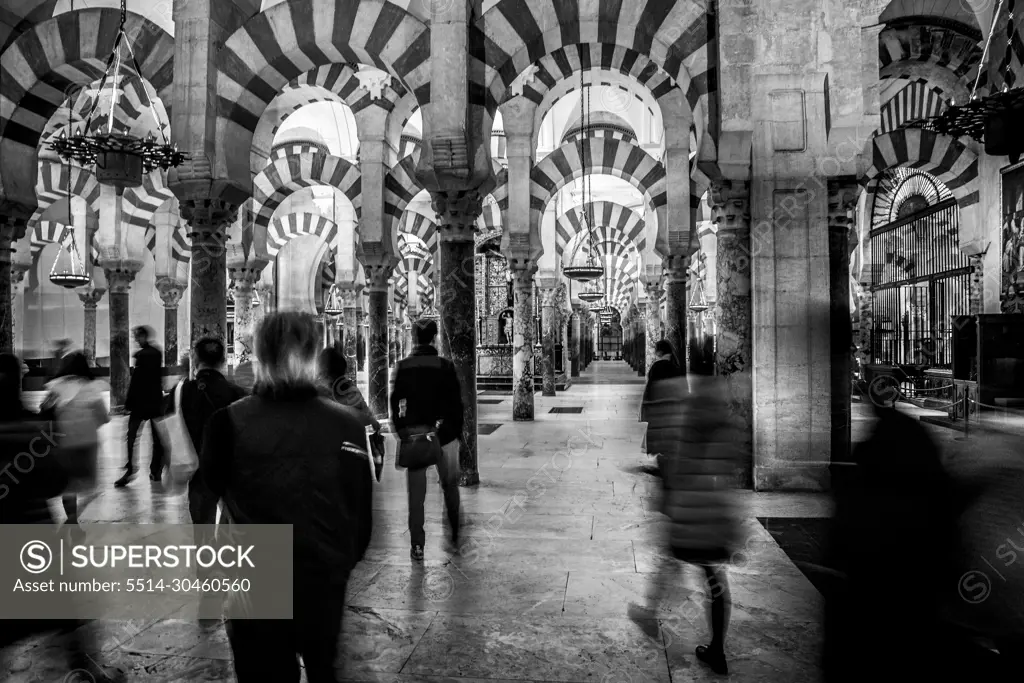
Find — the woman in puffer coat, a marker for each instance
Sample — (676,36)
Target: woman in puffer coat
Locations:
(690,427)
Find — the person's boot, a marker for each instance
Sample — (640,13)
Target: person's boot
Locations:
(124,480)
(417,553)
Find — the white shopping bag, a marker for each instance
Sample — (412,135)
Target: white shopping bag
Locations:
(182,461)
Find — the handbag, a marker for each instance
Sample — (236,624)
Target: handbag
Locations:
(182,460)
(419,450)
(375,446)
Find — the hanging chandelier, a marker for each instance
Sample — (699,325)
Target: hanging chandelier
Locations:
(334,306)
(68,270)
(591,293)
(120,158)
(698,302)
(995,119)
(591,268)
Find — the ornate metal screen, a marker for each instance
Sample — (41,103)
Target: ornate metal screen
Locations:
(920,284)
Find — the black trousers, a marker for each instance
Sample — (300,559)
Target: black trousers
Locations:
(156,464)
(267,650)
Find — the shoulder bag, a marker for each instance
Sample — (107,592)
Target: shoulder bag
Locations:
(182,461)
(419,449)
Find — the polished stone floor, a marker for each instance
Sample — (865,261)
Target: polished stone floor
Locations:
(560,536)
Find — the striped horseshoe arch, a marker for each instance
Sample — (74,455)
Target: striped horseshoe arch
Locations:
(418,225)
(400,186)
(294,37)
(941,46)
(916,101)
(39,68)
(608,157)
(283,229)
(614,221)
(678,36)
(942,156)
(291,172)
(489,223)
(140,203)
(55,180)
(47,232)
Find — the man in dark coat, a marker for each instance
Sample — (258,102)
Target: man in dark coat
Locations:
(145,401)
(426,392)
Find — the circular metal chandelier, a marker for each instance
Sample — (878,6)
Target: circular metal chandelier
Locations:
(591,293)
(120,158)
(67,270)
(591,268)
(995,119)
(334,305)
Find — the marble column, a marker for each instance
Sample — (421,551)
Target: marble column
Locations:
(208,221)
(392,339)
(18,272)
(842,203)
(522,344)
(677,306)
(171,291)
(119,282)
(549,332)
(6,289)
(90,299)
(245,279)
(652,326)
(378,356)
(576,343)
(457,213)
(361,339)
(642,352)
(976,305)
(349,301)
(731,212)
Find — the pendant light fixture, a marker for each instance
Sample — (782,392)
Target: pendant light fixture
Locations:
(995,119)
(334,306)
(591,292)
(120,158)
(698,302)
(590,268)
(68,270)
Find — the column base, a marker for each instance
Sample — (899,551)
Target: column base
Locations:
(471,478)
(792,477)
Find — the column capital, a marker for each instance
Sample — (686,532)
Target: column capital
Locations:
(730,205)
(843,194)
(14,219)
(208,215)
(18,271)
(90,298)
(654,289)
(457,212)
(378,265)
(171,290)
(120,275)
(247,274)
(676,268)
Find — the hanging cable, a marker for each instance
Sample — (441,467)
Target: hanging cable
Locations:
(984,53)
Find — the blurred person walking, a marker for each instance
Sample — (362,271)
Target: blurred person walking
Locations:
(78,405)
(145,401)
(26,502)
(337,386)
(427,397)
(286,455)
(664,367)
(690,429)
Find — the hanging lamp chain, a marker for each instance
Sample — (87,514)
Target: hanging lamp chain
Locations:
(984,53)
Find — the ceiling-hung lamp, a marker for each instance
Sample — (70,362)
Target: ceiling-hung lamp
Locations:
(592,292)
(119,157)
(698,302)
(68,269)
(334,306)
(588,268)
(994,119)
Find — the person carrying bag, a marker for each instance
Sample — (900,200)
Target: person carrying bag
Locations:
(183,461)
(419,448)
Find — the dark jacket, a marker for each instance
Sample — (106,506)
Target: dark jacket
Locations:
(428,388)
(345,392)
(660,369)
(201,398)
(27,447)
(295,458)
(145,391)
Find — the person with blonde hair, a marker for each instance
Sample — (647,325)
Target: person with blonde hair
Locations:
(287,455)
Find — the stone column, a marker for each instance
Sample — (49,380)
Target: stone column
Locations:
(378,357)
(731,213)
(522,341)
(245,278)
(652,326)
(842,203)
(361,339)
(90,299)
(119,281)
(6,286)
(171,291)
(677,305)
(642,352)
(576,345)
(549,332)
(392,339)
(208,221)
(349,296)
(18,271)
(457,213)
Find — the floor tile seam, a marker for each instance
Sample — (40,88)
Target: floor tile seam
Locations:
(416,645)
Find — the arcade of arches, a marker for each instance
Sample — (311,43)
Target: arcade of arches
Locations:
(736,168)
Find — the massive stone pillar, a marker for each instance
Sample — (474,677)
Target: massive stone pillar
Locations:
(576,345)
(245,277)
(457,213)
(90,299)
(677,305)
(522,343)
(208,221)
(361,339)
(549,333)
(170,291)
(842,207)
(640,331)
(13,222)
(652,326)
(378,357)
(119,276)
(349,298)
(731,213)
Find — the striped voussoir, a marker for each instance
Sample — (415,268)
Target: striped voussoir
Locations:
(55,181)
(938,45)
(514,34)
(611,221)
(47,232)
(141,203)
(400,186)
(490,215)
(290,173)
(421,227)
(605,156)
(283,229)
(945,157)
(181,247)
(409,145)
(897,185)
(49,61)
(914,102)
(411,245)
(293,38)
(602,132)
(424,285)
